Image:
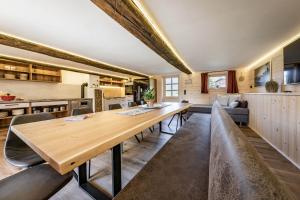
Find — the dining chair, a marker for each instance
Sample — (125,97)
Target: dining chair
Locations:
(132,104)
(18,153)
(35,183)
(118,106)
(82,111)
(114,106)
(184,112)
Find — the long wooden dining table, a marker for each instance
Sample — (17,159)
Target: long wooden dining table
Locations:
(66,145)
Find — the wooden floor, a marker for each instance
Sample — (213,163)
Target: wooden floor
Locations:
(285,171)
(136,155)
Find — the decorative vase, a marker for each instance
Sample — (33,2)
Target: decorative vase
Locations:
(272,86)
(150,102)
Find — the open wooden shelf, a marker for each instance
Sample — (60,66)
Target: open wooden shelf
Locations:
(34,72)
(8,117)
(111,81)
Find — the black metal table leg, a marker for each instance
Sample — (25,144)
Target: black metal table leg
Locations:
(116,177)
(88,187)
(161,131)
(180,115)
(116,169)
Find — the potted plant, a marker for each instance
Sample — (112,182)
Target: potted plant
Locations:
(149,96)
(271,86)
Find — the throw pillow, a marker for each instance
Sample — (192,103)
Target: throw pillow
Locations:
(243,104)
(234,104)
(234,97)
(223,99)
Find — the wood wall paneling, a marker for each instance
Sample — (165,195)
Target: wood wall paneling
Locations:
(298,130)
(277,119)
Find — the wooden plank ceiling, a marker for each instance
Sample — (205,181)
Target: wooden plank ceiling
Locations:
(128,15)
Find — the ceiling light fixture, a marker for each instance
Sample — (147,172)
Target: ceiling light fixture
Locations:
(150,19)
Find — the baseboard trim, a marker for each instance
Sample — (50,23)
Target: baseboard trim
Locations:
(281,152)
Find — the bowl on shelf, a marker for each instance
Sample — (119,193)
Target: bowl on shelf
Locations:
(45,109)
(23,76)
(16,112)
(8,98)
(9,76)
(3,114)
(36,111)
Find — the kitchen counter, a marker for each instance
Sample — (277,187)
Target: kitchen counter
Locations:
(42,100)
(108,98)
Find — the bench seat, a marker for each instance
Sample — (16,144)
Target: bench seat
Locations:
(179,170)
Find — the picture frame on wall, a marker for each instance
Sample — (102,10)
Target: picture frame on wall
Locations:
(262,74)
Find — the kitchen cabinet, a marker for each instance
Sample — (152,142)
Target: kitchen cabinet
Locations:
(59,108)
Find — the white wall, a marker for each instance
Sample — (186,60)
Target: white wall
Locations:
(69,88)
(74,78)
(192,84)
(277,60)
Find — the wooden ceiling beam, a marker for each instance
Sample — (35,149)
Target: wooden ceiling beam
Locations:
(4,58)
(38,48)
(128,15)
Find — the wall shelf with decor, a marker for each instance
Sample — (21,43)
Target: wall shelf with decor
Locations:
(46,74)
(111,81)
(11,70)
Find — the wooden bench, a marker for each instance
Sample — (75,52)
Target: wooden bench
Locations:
(208,158)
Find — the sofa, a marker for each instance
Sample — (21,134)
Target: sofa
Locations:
(238,114)
(208,158)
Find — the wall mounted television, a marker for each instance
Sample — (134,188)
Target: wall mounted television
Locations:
(291,55)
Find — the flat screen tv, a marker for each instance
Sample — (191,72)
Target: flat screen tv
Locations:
(292,63)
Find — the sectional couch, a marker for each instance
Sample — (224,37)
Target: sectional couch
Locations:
(238,114)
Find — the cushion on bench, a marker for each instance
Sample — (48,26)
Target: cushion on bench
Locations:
(36,183)
(179,170)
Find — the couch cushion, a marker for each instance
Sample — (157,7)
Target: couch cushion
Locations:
(237,111)
(223,99)
(233,98)
(200,108)
(179,170)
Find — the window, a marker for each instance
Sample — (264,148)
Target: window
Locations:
(171,86)
(217,82)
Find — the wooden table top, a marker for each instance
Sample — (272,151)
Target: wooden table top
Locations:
(65,145)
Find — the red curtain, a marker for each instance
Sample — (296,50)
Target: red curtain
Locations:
(232,86)
(204,83)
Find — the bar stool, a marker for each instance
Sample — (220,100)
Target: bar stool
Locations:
(178,115)
(18,153)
